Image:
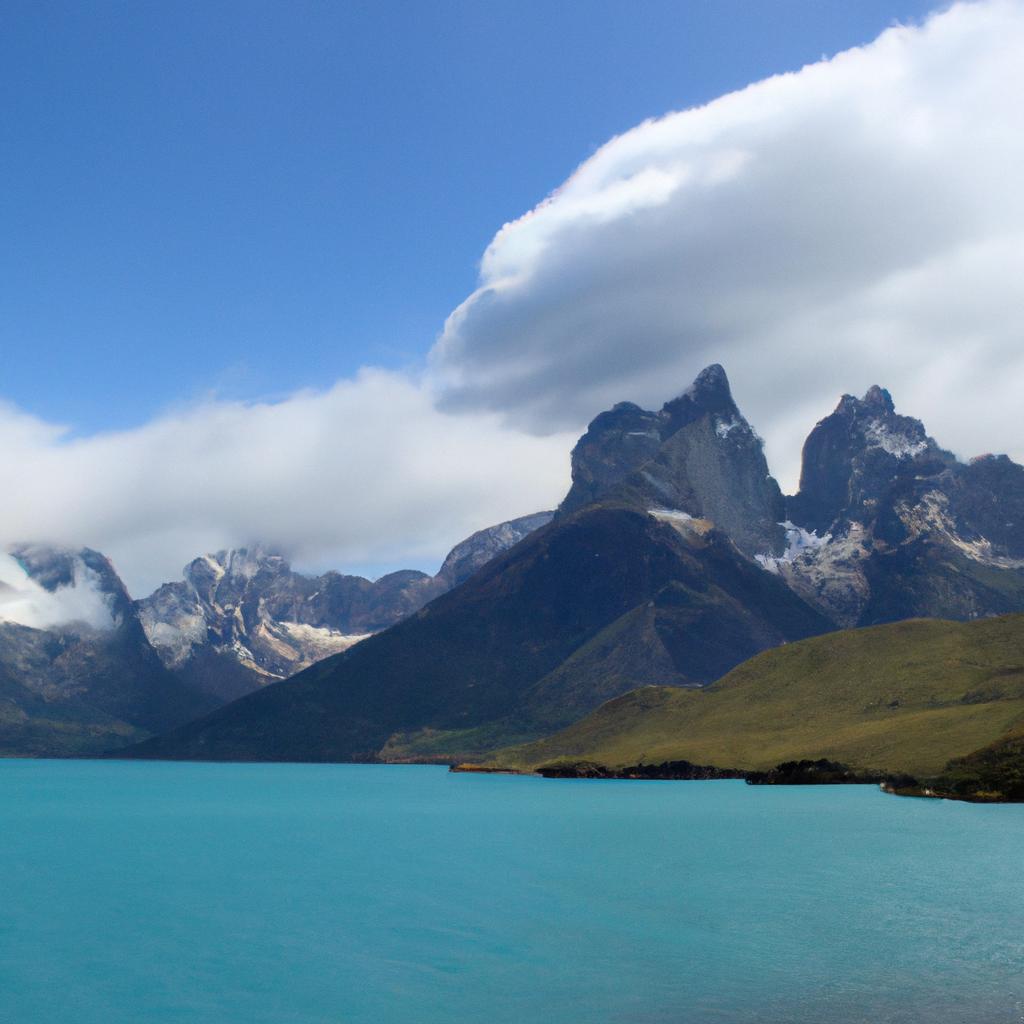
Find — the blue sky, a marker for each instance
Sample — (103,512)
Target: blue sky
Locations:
(249,198)
(349,280)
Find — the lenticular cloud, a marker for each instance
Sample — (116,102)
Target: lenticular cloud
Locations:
(858,221)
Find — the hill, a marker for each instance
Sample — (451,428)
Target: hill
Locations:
(905,697)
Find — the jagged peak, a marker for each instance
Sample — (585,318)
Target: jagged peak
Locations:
(238,563)
(712,380)
(709,393)
(879,398)
(876,401)
(711,385)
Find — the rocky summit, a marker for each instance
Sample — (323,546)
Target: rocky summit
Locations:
(240,619)
(697,455)
(887,525)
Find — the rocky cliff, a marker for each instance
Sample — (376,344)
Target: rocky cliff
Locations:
(888,525)
(698,455)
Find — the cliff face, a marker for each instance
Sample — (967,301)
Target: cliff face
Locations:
(616,443)
(698,456)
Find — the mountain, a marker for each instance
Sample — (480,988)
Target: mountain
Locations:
(904,697)
(636,585)
(241,619)
(90,681)
(673,558)
(697,455)
(887,525)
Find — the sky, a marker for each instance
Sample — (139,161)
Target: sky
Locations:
(349,279)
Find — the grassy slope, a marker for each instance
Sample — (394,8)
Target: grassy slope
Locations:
(996,772)
(904,697)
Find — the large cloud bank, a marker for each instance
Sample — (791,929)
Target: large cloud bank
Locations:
(860,221)
(367,473)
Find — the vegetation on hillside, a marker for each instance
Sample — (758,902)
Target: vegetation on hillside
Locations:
(903,698)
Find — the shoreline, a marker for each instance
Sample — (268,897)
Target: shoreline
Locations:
(791,773)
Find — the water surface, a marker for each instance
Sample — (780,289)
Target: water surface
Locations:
(307,894)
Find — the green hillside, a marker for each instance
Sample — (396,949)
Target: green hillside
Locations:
(995,772)
(906,697)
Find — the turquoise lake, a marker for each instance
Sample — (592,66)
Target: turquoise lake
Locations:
(294,894)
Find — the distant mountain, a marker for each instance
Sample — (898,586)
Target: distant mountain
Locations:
(241,619)
(84,669)
(78,686)
(887,525)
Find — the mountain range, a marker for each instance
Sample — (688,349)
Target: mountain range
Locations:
(241,619)
(674,558)
(85,669)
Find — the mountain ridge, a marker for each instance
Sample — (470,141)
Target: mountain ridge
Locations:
(686,488)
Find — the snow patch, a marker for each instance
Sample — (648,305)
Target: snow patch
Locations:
(931,515)
(799,542)
(897,444)
(174,641)
(215,567)
(670,515)
(322,635)
(723,428)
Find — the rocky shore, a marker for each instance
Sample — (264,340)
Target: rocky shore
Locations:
(821,772)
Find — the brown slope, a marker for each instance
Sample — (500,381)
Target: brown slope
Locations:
(471,657)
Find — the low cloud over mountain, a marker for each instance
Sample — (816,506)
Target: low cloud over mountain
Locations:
(368,472)
(79,599)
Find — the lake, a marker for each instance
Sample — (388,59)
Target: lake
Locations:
(294,894)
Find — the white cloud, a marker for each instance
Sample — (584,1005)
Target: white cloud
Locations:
(24,601)
(369,472)
(860,221)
